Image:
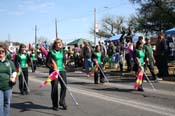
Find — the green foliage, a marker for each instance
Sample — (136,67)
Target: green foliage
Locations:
(154,15)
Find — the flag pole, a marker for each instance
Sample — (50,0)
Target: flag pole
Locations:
(75,101)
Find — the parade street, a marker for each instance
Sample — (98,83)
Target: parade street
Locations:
(116,98)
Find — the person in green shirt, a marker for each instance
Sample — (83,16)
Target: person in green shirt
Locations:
(149,58)
(140,59)
(22,62)
(33,60)
(58,55)
(98,62)
(8,76)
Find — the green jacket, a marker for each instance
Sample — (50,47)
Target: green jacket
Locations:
(7,67)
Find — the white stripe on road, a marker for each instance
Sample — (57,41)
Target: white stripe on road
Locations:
(132,103)
(124,86)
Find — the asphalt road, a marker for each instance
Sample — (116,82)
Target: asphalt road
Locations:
(116,98)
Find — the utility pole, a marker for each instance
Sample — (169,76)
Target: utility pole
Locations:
(56,32)
(35,36)
(94,26)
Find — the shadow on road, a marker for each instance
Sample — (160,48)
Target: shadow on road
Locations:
(114,89)
(30,106)
(80,83)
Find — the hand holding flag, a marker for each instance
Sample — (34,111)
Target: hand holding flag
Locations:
(51,77)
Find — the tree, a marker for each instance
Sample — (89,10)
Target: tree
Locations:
(110,26)
(154,15)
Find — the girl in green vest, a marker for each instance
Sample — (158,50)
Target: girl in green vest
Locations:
(58,55)
(98,62)
(140,56)
(22,62)
(33,60)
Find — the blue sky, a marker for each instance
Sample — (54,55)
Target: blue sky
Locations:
(75,17)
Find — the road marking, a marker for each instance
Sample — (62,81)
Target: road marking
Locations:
(132,103)
(124,86)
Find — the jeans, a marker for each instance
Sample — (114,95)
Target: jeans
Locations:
(88,63)
(5,97)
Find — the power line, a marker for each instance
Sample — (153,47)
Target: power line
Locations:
(91,13)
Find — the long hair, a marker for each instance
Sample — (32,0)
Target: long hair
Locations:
(4,47)
(21,46)
(56,41)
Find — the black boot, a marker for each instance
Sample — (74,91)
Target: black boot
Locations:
(64,106)
(140,88)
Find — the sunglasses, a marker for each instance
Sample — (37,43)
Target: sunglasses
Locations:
(2,51)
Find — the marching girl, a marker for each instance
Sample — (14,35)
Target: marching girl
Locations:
(98,63)
(58,55)
(22,62)
(140,60)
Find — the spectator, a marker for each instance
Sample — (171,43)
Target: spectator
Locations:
(87,53)
(8,76)
(161,56)
(103,50)
(110,52)
(149,58)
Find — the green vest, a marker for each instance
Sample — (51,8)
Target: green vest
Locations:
(6,68)
(33,56)
(98,54)
(141,55)
(22,60)
(58,57)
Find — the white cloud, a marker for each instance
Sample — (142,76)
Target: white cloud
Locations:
(41,6)
(28,6)
(17,13)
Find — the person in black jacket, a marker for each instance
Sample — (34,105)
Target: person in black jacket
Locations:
(161,54)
